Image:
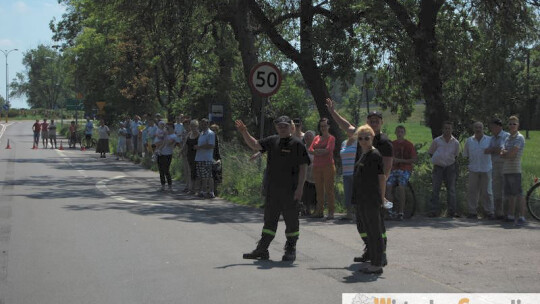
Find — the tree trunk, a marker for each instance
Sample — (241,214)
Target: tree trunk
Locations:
(429,67)
(304,59)
(239,21)
(425,49)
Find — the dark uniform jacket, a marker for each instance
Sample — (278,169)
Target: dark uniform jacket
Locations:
(285,155)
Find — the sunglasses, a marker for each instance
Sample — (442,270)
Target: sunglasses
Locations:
(366,138)
(512,124)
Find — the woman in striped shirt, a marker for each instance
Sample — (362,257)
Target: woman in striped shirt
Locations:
(348,154)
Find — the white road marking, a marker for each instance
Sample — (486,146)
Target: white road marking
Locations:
(4,127)
(102,186)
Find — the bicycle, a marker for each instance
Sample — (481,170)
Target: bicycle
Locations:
(533,200)
(88,143)
(410,203)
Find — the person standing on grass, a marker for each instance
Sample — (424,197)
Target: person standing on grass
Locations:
(309,197)
(121,147)
(444,151)
(513,191)
(217,169)
(324,171)
(135,123)
(496,145)
(165,157)
(348,155)
(287,163)
(191,141)
(204,159)
(479,184)
(404,158)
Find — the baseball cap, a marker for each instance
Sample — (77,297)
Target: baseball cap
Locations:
(283,120)
(497,121)
(374,113)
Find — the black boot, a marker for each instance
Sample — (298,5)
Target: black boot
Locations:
(364,258)
(290,250)
(261,252)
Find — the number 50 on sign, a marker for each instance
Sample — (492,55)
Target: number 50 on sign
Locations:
(265,79)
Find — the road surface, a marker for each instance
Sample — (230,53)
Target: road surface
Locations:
(75,228)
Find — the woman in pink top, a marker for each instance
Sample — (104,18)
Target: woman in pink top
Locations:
(324,170)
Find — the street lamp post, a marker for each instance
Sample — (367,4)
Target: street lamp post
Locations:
(6,53)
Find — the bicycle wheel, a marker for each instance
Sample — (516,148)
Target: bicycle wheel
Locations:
(410,202)
(533,201)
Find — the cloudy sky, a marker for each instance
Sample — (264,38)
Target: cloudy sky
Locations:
(23,26)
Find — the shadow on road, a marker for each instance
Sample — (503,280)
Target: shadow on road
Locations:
(268,264)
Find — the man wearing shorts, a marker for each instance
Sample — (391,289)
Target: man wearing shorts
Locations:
(204,159)
(44,133)
(513,192)
(404,157)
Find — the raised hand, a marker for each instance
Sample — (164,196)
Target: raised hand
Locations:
(240,126)
(330,104)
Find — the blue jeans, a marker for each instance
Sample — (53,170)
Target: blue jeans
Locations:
(448,175)
(347,189)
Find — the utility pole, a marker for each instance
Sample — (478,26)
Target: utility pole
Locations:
(527,93)
(6,53)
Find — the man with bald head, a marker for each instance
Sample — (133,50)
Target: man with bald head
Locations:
(480,166)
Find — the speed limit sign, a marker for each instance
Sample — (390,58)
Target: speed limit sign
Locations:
(265,79)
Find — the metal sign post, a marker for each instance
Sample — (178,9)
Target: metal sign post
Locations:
(265,80)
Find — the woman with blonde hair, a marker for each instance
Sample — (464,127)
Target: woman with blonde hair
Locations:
(369,184)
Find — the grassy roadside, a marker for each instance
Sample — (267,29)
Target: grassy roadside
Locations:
(242,179)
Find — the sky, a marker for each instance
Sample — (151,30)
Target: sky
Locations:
(23,26)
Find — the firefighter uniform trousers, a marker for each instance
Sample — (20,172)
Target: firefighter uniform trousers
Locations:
(277,204)
(362,229)
(370,225)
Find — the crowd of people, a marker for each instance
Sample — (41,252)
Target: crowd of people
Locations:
(195,143)
(300,171)
(300,177)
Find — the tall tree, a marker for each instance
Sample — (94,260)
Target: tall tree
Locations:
(315,53)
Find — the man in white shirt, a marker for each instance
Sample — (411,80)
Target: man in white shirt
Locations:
(480,183)
(498,138)
(444,150)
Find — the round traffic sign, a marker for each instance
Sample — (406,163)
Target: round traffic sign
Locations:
(265,79)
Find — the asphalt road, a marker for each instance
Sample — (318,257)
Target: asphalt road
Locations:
(75,228)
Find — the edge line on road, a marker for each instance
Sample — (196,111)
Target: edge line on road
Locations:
(102,186)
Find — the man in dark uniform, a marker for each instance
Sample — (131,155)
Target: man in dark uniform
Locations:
(381,143)
(287,163)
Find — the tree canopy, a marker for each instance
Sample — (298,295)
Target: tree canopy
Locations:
(467,60)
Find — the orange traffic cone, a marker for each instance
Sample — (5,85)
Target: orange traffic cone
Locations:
(61,147)
(8,146)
